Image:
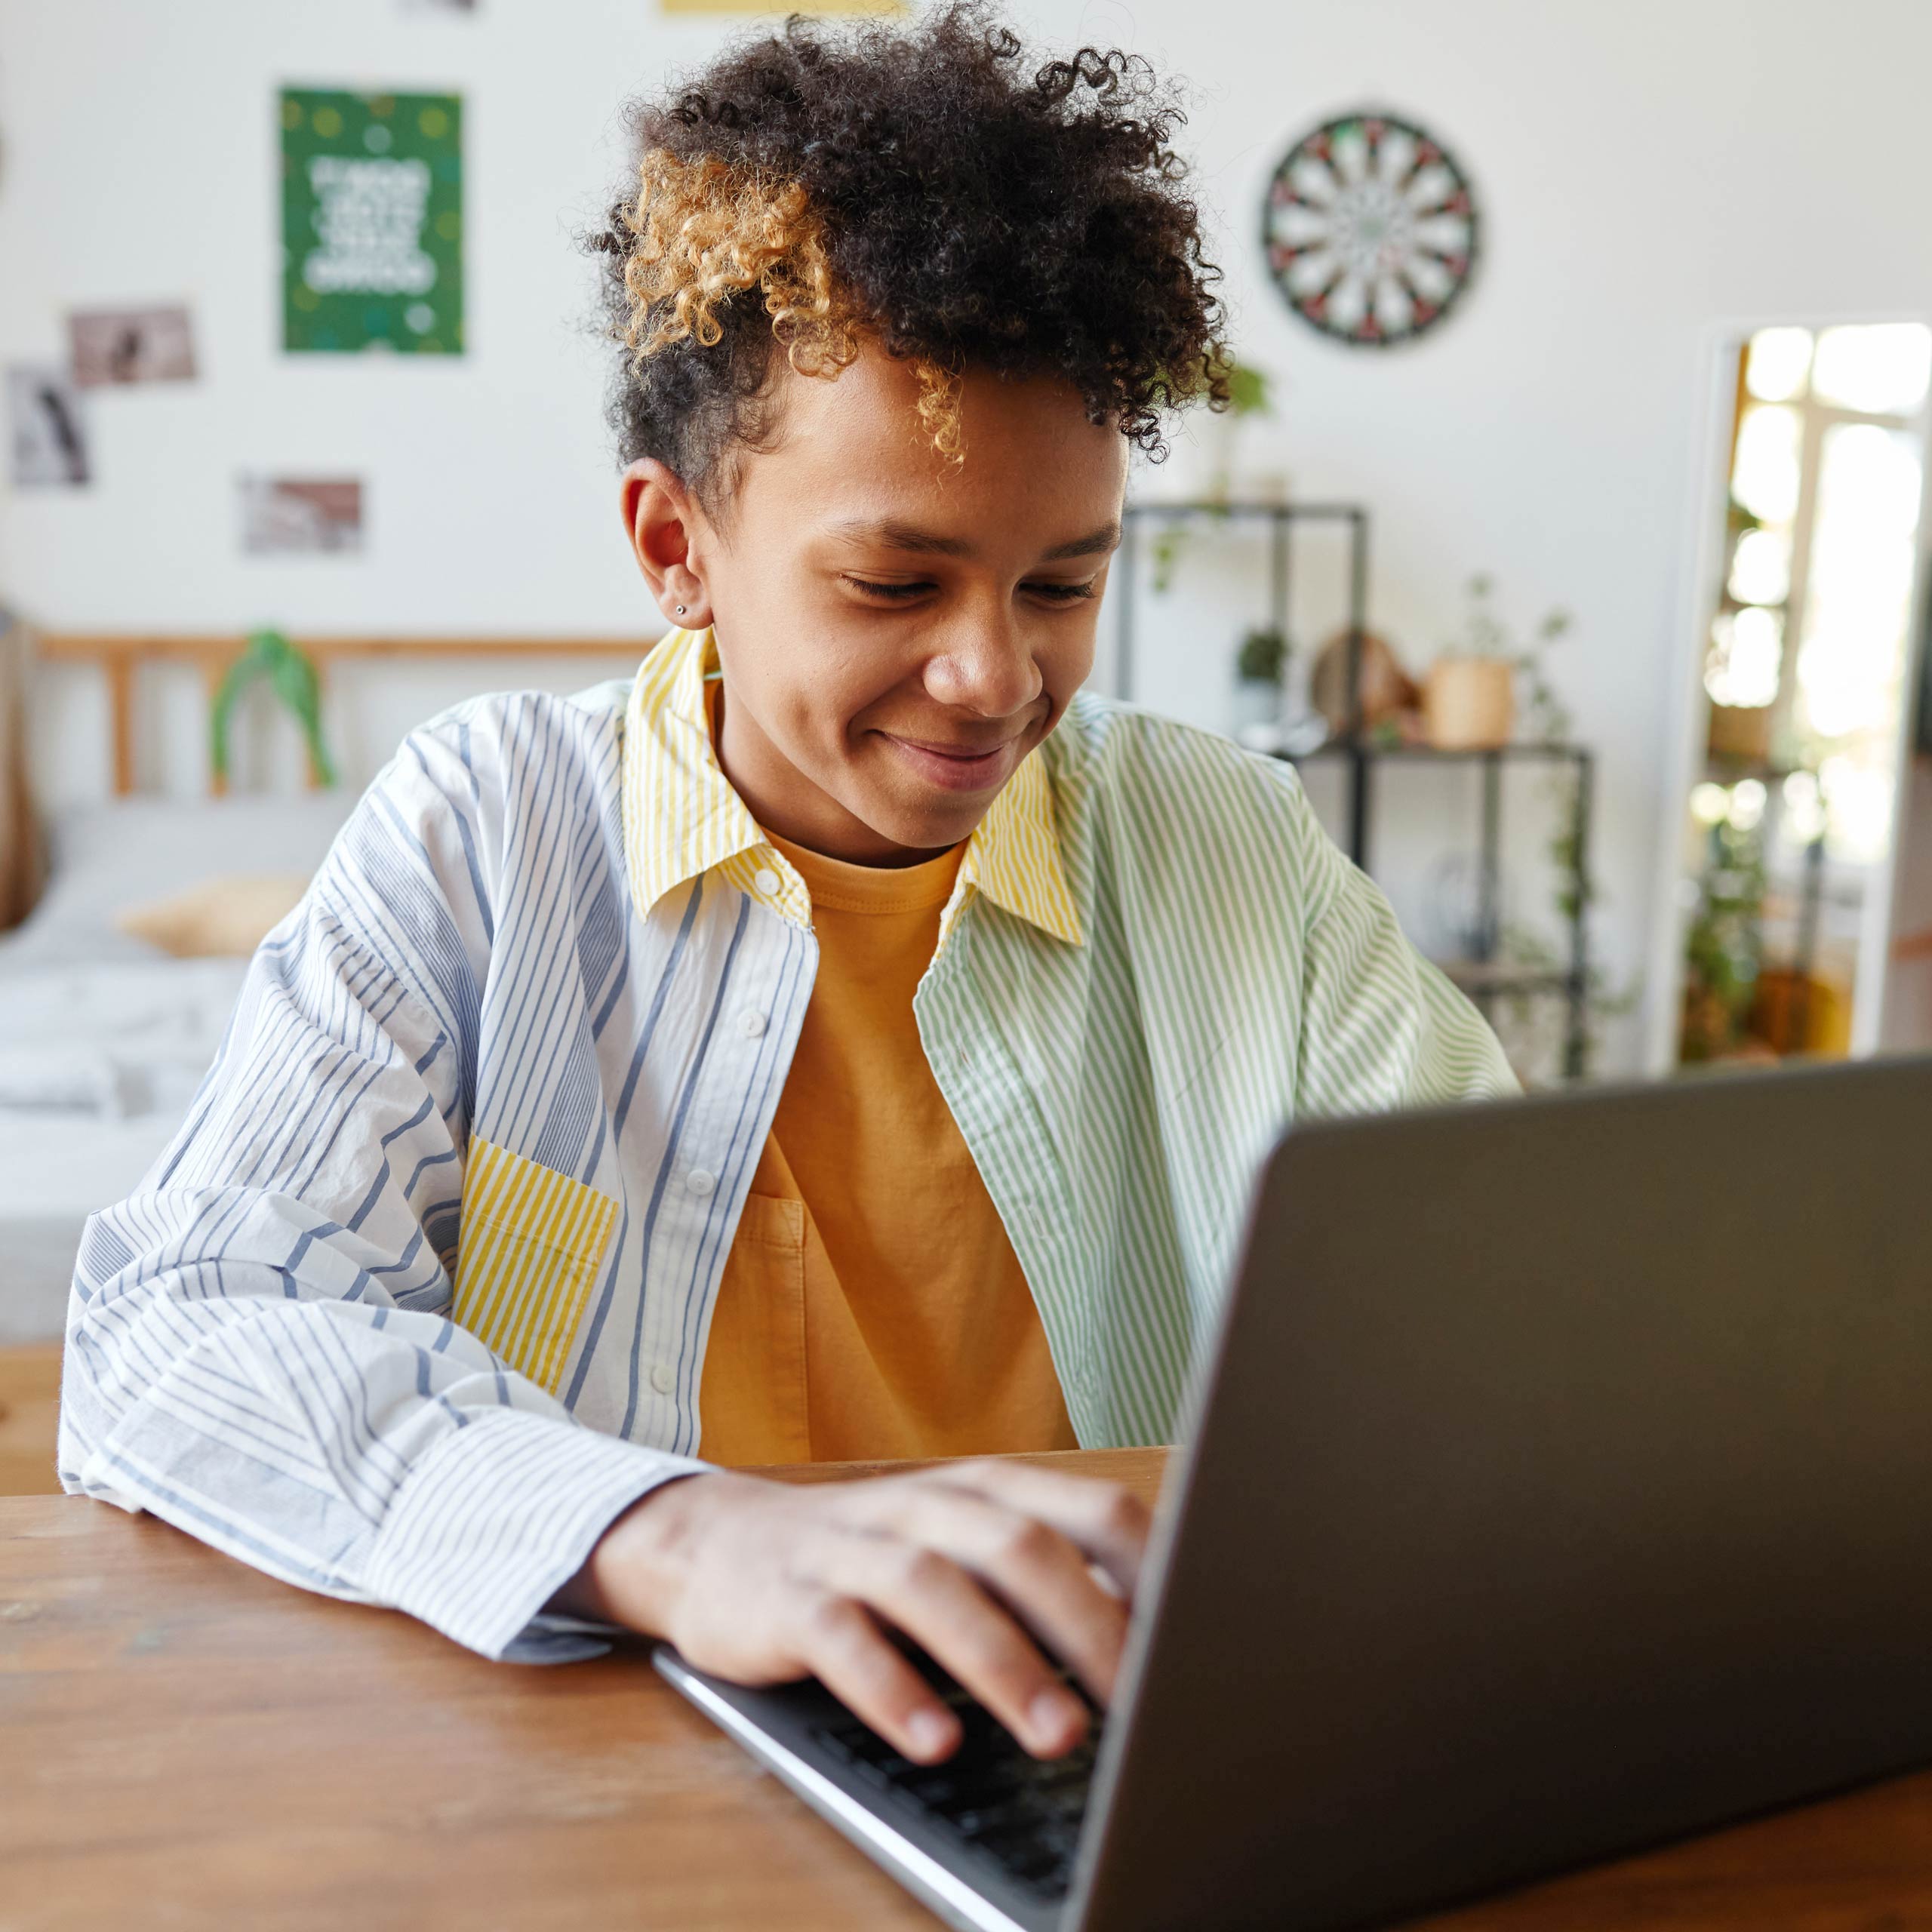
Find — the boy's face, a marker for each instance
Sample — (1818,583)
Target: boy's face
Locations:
(896,632)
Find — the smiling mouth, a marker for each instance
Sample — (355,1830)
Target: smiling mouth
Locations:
(965,754)
(958,768)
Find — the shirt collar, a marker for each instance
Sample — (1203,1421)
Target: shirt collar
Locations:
(682,819)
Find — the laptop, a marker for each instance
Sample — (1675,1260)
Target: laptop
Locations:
(1560,1481)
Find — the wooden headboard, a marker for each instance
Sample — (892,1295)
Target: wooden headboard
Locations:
(120,659)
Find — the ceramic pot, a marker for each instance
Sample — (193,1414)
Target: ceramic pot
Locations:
(1258,714)
(1741,731)
(1388,694)
(1468,703)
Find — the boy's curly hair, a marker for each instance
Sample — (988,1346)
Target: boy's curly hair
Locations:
(928,189)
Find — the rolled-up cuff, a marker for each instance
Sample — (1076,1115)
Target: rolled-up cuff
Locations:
(497,1518)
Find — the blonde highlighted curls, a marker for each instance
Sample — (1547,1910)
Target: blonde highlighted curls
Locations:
(930,187)
(705,231)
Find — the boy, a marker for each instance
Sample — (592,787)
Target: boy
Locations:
(848,1041)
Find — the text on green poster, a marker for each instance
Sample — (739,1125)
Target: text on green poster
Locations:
(371,222)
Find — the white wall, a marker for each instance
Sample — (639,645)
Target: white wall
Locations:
(1644,168)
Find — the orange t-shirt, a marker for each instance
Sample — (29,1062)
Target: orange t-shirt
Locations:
(872,1305)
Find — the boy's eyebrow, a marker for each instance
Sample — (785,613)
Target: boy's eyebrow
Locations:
(893,535)
(890,533)
(1099,543)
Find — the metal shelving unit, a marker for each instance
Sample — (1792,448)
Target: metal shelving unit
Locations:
(1480,976)
(1281,520)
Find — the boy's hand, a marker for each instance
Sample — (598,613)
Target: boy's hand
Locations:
(763,1583)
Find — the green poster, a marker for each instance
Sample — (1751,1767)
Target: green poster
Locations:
(371,222)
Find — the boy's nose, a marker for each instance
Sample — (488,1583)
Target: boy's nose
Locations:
(986,666)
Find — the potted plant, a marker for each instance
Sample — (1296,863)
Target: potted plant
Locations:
(1216,440)
(1247,396)
(1468,699)
(1736,733)
(1260,671)
(1724,947)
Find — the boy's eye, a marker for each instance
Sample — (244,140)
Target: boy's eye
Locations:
(896,593)
(886,593)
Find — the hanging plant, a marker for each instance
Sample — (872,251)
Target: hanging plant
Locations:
(1249,395)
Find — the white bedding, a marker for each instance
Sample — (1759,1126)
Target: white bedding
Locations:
(103,1040)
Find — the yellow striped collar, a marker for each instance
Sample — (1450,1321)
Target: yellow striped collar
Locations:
(682,819)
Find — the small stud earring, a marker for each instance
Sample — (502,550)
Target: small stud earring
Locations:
(681,610)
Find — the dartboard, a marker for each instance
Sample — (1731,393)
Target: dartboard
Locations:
(1370,230)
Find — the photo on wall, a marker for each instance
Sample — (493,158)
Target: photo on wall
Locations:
(822,7)
(371,222)
(110,346)
(47,428)
(294,516)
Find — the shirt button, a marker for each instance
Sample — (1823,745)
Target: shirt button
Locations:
(662,1380)
(766,881)
(754,1024)
(700,1180)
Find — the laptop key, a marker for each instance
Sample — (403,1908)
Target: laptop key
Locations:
(1022,1812)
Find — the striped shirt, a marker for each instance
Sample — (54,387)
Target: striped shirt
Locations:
(415,1302)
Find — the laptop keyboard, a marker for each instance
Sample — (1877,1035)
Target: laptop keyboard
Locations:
(1022,1811)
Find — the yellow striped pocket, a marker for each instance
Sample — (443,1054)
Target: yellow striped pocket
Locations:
(531,1241)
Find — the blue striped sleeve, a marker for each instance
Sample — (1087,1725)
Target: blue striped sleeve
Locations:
(258,1345)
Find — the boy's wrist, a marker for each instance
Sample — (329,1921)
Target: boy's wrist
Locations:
(637,1569)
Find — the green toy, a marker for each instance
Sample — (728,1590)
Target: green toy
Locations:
(292,675)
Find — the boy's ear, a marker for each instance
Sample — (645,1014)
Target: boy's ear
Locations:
(661,520)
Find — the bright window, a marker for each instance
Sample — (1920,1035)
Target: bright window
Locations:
(1804,663)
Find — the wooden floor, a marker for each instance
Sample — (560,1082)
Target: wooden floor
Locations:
(30,1400)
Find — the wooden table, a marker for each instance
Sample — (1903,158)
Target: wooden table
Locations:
(184,1742)
(30,1411)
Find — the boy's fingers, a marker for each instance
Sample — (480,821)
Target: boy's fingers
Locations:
(950,1616)
(1040,1575)
(844,1648)
(1102,1518)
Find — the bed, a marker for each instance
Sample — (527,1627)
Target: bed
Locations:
(105,1036)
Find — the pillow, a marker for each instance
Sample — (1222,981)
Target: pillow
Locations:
(108,857)
(221,919)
